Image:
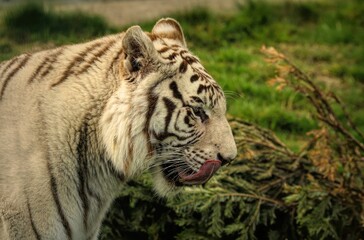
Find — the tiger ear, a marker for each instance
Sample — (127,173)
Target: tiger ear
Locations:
(171,29)
(138,49)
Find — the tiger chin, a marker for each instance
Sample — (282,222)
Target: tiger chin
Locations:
(78,121)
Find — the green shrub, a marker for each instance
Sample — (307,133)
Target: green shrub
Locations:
(32,22)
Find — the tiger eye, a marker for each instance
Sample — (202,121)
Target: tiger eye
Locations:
(198,111)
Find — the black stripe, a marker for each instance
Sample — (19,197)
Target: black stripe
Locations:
(152,100)
(164,49)
(54,191)
(82,171)
(190,60)
(50,65)
(183,52)
(183,66)
(36,72)
(203,88)
(152,103)
(189,142)
(46,65)
(197,99)
(170,108)
(164,135)
(176,93)
(68,71)
(10,63)
(12,73)
(187,121)
(36,233)
(194,78)
(179,129)
(70,68)
(172,56)
(96,56)
(212,93)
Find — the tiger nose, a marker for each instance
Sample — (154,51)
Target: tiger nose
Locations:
(225,159)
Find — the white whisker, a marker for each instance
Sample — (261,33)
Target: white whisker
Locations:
(232,95)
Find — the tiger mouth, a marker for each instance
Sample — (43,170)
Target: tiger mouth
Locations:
(184,175)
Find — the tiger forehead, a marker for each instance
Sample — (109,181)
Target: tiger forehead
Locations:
(205,86)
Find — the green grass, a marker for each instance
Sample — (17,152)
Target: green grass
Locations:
(325,39)
(33,22)
(32,26)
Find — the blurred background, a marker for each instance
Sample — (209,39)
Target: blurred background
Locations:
(323,38)
(124,12)
(326,36)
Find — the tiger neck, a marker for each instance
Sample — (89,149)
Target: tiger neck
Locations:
(123,130)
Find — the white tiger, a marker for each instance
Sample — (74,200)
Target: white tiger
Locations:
(78,121)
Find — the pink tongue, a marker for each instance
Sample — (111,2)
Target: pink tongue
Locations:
(203,175)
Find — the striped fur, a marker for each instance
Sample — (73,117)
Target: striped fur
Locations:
(79,120)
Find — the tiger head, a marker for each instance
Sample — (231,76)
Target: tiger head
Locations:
(176,110)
